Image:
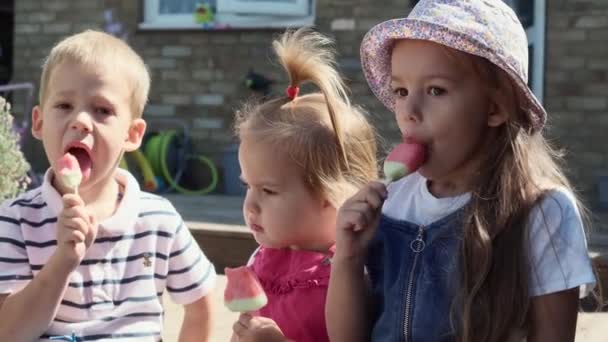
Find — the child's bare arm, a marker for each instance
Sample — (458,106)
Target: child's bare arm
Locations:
(347,306)
(553,316)
(197,321)
(347,309)
(25,315)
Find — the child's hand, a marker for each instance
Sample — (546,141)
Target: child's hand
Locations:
(357,220)
(252,329)
(76,229)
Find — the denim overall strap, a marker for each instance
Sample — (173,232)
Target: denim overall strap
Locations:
(413,274)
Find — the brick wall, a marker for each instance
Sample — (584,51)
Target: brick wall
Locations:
(576,92)
(198,75)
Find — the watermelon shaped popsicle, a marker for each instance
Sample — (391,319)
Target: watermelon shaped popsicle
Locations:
(69,171)
(243,293)
(404,159)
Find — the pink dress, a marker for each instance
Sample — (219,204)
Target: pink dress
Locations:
(296,284)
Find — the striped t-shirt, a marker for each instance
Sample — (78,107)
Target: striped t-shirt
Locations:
(115,293)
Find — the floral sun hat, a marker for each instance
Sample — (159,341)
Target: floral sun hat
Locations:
(485,28)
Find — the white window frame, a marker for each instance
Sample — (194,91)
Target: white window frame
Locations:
(153,20)
(297,8)
(536,39)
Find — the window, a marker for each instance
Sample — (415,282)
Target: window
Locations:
(226,14)
(265,7)
(531,13)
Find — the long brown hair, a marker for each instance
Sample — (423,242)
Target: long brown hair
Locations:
(520,167)
(330,139)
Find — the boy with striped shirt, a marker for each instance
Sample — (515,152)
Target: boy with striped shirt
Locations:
(92,265)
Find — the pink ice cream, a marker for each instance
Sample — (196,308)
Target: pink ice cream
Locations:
(404,159)
(243,292)
(69,171)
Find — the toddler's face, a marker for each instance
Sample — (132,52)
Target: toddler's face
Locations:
(87,113)
(441,102)
(279,209)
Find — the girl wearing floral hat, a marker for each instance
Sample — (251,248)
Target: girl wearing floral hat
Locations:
(503,255)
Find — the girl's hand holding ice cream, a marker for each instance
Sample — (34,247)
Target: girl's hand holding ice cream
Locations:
(245,294)
(256,329)
(357,221)
(359,215)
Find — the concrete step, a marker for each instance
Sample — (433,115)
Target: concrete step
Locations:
(210,208)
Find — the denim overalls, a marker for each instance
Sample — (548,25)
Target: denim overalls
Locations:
(413,273)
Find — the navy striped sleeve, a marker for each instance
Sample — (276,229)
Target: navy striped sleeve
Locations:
(191,275)
(15,270)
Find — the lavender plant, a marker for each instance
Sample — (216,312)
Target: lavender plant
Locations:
(13,166)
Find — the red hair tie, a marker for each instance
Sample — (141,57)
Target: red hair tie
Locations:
(292,92)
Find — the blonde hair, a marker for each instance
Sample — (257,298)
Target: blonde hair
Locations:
(99,49)
(329,139)
(520,168)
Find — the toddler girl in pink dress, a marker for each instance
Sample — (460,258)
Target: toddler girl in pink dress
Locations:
(301,156)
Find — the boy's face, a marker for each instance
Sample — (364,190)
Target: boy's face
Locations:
(87,112)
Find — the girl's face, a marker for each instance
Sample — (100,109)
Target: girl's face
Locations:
(441,103)
(279,208)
